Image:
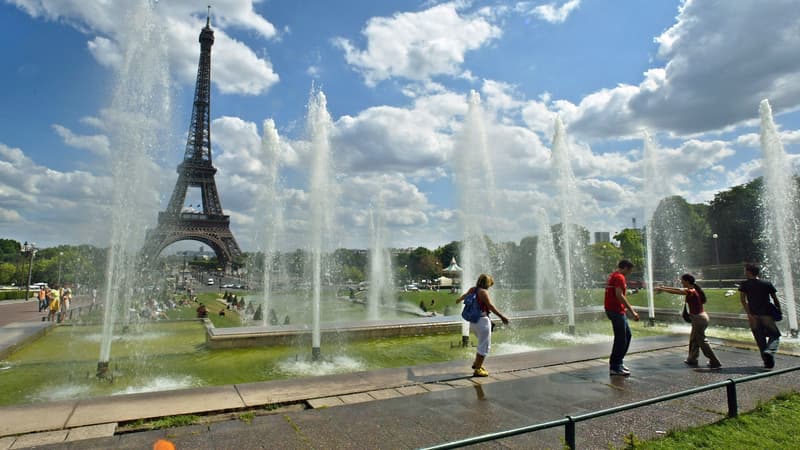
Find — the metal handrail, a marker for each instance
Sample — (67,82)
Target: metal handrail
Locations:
(569,421)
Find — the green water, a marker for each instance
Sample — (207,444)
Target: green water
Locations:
(172,355)
(157,356)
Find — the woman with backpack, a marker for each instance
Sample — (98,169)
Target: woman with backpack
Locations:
(695,298)
(482,326)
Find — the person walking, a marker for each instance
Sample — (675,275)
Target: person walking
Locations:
(483,327)
(694,299)
(755,295)
(54,304)
(42,298)
(616,306)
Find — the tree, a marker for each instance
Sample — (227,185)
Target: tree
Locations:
(681,237)
(8,273)
(604,257)
(735,216)
(632,246)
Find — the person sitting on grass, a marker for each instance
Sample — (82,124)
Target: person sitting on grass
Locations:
(202,311)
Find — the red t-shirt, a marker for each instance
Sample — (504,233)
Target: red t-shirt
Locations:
(694,301)
(615,280)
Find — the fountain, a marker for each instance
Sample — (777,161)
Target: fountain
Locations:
(270,209)
(322,200)
(381,285)
(779,198)
(475,185)
(548,269)
(651,199)
(567,193)
(136,120)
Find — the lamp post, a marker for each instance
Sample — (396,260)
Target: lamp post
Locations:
(28,250)
(60,254)
(715,236)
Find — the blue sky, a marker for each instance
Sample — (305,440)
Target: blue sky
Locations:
(397,76)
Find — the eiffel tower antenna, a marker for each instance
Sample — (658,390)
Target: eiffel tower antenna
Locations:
(209,225)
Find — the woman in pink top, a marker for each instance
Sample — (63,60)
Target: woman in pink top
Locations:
(695,297)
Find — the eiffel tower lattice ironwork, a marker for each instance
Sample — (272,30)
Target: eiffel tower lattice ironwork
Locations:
(210,226)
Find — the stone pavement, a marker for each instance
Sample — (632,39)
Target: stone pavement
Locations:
(417,406)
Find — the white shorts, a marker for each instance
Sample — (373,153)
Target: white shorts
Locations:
(483,331)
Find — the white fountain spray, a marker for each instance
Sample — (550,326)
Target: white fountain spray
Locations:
(322,201)
(139,119)
(651,199)
(475,184)
(779,199)
(381,284)
(548,269)
(270,209)
(567,193)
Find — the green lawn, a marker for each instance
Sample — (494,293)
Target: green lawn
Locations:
(231,318)
(771,425)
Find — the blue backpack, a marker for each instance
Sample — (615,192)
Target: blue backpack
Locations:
(472,307)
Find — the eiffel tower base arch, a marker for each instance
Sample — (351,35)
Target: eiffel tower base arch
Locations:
(216,235)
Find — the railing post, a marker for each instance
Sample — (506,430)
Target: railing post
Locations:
(569,433)
(733,403)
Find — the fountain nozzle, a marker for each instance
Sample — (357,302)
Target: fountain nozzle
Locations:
(102,369)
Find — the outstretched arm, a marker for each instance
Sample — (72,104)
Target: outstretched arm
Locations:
(671,290)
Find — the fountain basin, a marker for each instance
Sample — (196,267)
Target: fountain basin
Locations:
(300,335)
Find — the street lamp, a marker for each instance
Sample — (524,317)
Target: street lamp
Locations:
(60,254)
(715,236)
(28,250)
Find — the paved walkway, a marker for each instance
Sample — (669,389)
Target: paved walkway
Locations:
(415,406)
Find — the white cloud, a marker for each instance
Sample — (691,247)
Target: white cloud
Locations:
(9,216)
(238,69)
(418,45)
(38,201)
(717,71)
(553,13)
(97,144)
(388,139)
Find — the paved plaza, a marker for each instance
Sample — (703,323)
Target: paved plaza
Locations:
(412,407)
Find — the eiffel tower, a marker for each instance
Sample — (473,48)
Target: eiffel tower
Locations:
(210,226)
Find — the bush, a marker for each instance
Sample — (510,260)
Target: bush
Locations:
(12,295)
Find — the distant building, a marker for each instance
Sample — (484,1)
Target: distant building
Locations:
(602,236)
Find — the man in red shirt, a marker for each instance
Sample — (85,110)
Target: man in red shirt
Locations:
(616,305)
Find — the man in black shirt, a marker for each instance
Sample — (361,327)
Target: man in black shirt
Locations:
(755,295)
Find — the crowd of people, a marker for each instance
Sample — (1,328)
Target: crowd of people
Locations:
(56,301)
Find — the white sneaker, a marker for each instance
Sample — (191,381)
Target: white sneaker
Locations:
(772,347)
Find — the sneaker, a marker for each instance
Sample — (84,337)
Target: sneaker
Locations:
(625,368)
(772,347)
(480,372)
(769,360)
(690,363)
(714,366)
(620,372)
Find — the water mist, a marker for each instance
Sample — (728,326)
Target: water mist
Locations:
(138,120)
(780,198)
